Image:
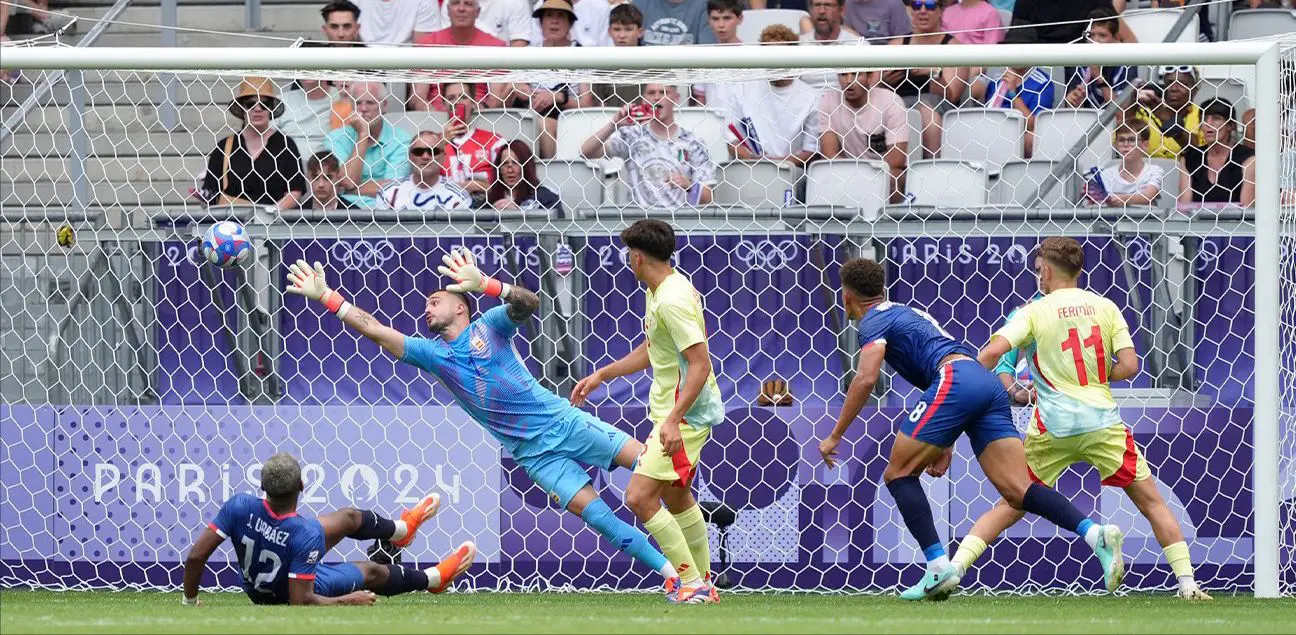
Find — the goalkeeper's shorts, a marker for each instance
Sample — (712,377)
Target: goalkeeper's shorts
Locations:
(556,459)
(1111,450)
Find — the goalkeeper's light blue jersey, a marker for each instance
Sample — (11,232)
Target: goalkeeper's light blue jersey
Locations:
(1012,363)
(488,379)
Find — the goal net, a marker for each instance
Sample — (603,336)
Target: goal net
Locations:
(142,386)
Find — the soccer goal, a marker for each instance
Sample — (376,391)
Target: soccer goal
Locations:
(142,386)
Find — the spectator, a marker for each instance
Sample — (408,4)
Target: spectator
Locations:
(308,113)
(517,186)
(463,31)
(549,100)
(931,91)
(423,189)
(1060,21)
(257,165)
(324,173)
(1133,180)
(866,120)
(725,16)
(878,20)
(397,21)
(470,152)
(774,119)
(626,29)
(1024,89)
(591,26)
(667,167)
(508,20)
(675,22)
(973,22)
(1096,86)
(372,151)
(341,25)
(1167,107)
(1219,170)
(828,27)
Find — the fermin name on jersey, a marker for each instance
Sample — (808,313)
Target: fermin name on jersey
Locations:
(267,531)
(1075,311)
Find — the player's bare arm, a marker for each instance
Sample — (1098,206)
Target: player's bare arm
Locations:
(1127,365)
(990,354)
(196,563)
(866,376)
(302,593)
(635,361)
(310,283)
(695,379)
(460,266)
(522,303)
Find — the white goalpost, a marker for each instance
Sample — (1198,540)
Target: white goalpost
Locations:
(144,386)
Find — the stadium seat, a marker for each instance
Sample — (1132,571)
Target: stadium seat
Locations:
(509,123)
(754,184)
(948,183)
(708,125)
(414,121)
(1256,23)
(849,183)
(754,20)
(915,135)
(1170,184)
(575,126)
(1020,180)
(1154,25)
(1058,131)
(991,136)
(1231,89)
(578,183)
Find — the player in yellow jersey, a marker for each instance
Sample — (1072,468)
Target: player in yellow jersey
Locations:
(684,403)
(1077,343)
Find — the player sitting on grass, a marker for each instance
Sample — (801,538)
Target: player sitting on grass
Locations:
(279,551)
(476,361)
(1071,337)
(959,396)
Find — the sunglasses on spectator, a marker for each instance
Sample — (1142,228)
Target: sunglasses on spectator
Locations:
(422,151)
(1166,70)
(249,104)
(930,5)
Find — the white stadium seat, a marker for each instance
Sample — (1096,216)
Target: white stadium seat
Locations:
(509,123)
(755,20)
(575,126)
(415,121)
(708,125)
(1231,89)
(1153,25)
(578,183)
(1170,185)
(849,183)
(753,184)
(947,183)
(1020,180)
(990,136)
(1057,131)
(1255,23)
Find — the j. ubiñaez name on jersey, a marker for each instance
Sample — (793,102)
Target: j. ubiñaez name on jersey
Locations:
(351,484)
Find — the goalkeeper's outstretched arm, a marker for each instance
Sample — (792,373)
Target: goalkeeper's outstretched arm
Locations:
(309,283)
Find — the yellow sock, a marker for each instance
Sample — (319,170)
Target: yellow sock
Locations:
(968,551)
(1180,561)
(663,527)
(695,534)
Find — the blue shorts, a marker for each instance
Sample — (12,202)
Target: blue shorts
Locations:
(556,459)
(337,578)
(965,398)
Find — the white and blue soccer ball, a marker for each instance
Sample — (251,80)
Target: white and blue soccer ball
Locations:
(227,245)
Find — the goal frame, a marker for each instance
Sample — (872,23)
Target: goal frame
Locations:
(1263,56)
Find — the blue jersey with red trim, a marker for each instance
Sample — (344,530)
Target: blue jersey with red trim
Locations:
(915,343)
(270,548)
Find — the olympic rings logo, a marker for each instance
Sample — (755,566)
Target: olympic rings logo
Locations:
(1207,254)
(361,254)
(1140,254)
(767,255)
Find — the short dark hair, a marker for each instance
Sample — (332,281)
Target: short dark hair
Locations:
(1107,18)
(733,6)
(864,276)
(321,162)
(340,5)
(463,297)
(1219,107)
(626,14)
(651,236)
(1064,253)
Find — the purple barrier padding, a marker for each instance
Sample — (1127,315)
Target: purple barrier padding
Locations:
(1225,314)
(194,363)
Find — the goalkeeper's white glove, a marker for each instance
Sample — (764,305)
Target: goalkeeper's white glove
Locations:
(309,283)
(460,266)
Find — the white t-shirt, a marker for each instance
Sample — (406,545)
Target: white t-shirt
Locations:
(590,28)
(404,195)
(505,19)
(781,120)
(824,78)
(395,21)
(1116,184)
(651,159)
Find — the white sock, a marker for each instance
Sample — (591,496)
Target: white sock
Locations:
(668,571)
(402,530)
(434,577)
(693,584)
(1187,583)
(939,564)
(1093,535)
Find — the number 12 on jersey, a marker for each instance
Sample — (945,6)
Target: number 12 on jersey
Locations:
(1076,347)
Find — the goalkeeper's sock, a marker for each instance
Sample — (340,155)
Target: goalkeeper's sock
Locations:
(916,511)
(671,540)
(625,537)
(375,527)
(1181,563)
(694,529)
(404,580)
(1046,502)
(968,551)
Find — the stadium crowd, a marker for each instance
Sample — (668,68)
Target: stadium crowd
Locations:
(343,140)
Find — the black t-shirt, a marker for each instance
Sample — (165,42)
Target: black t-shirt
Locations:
(276,171)
(1073,12)
(1227,187)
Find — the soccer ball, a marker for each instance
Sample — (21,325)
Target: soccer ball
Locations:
(227,245)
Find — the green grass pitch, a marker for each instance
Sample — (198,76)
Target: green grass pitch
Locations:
(569,613)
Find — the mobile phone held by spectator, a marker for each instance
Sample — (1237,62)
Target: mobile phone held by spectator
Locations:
(640,113)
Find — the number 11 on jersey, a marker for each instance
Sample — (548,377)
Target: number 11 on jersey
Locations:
(1076,347)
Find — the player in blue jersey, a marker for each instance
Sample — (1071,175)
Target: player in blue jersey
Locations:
(279,550)
(959,397)
(477,362)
